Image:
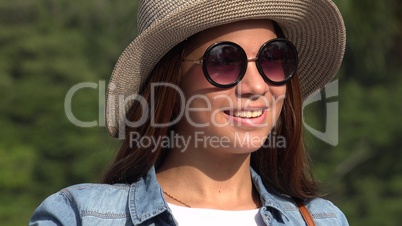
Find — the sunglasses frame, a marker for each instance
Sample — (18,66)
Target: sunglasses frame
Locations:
(245,62)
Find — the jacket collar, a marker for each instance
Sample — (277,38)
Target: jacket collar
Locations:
(270,197)
(146,199)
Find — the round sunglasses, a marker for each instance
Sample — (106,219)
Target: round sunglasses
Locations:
(225,63)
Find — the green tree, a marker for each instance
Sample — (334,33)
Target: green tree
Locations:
(365,170)
(47,47)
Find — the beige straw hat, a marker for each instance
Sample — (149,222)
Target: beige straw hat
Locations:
(315,27)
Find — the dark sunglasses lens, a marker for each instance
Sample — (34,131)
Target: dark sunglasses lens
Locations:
(224,63)
(278,61)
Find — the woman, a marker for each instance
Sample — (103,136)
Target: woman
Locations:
(208,99)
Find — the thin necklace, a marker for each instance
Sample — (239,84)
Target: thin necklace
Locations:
(185,204)
(170,196)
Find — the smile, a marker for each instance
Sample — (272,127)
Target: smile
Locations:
(246,113)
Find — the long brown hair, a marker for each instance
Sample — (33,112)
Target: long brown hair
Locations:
(286,169)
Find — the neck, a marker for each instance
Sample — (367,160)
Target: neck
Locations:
(208,179)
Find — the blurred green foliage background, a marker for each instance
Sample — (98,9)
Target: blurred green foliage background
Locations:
(47,47)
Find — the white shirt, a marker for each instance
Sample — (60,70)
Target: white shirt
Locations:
(201,217)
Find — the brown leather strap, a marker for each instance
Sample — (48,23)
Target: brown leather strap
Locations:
(305,214)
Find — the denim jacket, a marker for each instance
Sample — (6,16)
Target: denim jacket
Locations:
(142,203)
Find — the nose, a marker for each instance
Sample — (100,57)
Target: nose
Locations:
(252,83)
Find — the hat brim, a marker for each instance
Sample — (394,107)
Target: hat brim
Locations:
(315,27)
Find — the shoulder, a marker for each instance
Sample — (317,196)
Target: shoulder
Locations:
(87,195)
(324,210)
(76,204)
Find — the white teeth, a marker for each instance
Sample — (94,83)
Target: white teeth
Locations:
(248,114)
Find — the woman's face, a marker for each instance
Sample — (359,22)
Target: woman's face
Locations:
(236,119)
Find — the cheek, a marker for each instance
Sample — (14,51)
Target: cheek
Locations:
(277,109)
(192,79)
(192,84)
(203,100)
(199,91)
(278,92)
